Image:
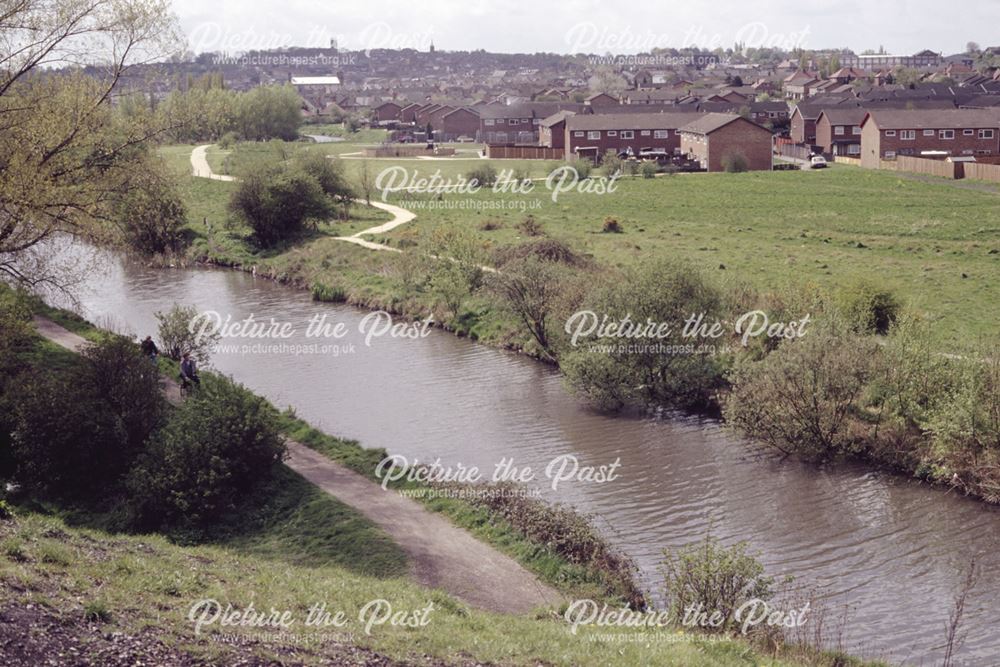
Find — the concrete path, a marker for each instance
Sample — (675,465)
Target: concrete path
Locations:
(440,554)
(200,166)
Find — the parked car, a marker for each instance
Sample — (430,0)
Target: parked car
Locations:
(817,162)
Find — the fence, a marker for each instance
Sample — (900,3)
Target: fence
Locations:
(405,151)
(983,172)
(508,151)
(794,151)
(843,159)
(941,168)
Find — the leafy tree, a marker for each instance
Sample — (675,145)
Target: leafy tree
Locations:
(180,332)
(151,215)
(278,202)
(66,156)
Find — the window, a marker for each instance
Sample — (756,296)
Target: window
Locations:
(536,121)
(772,114)
(928,133)
(968,133)
(661,134)
(890,155)
(984,152)
(890,133)
(594,134)
(525,121)
(856,130)
(628,134)
(578,133)
(612,133)
(985,134)
(512,121)
(946,134)
(644,133)
(908,135)
(489,121)
(838,130)
(854,149)
(499,121)
(968,151)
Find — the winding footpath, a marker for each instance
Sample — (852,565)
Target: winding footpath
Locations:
(400,216)
(440,554)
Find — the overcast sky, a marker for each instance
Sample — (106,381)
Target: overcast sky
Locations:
(591,26)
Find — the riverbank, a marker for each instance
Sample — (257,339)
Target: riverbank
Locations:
(147,581)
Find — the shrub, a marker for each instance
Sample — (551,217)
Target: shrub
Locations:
(150,214)
(77,432)
(328,173)
(800,397)
(866,307)
(180,332)
(611,164)
(583,167)
(649,170)
(221,444)
(484,176)
(530,226)
(96,611)
(734,163)
(668,293)
(611,226)
(711,578)
(228,140)
(632,167)
(277,202)
(549,250)
(329,293)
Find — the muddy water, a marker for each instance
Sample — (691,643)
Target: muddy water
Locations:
(885,554)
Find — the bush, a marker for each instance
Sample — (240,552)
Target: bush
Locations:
(328,173)
(611,226)
(228,140)
(866,307)
(611,164)
(583,167)
(150,214)
(668,293)
(800,398)
(632,167)
(277,202)
(218,446)
(549,250)
(649,170)
(483,176)
(735,163)
(78,432)
(329,293)
(180,332)
(530,226)
(711,578)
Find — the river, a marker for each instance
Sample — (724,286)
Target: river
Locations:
(886,554)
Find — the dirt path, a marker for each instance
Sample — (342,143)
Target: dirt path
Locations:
(440,554)
(400,216)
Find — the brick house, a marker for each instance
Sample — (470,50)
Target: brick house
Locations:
(886,133)
(802,125)
(408,113)
(798,85)
(715,137)
(552,130)
(594,135)
(461,122)
(518,123)
(601,101)
(838,130)
(386,112)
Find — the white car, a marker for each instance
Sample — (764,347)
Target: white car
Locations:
(817,162)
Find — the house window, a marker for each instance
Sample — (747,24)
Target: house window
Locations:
(928,133)
(578,133)
(946,134)
(968,133)
(499,121)
(661,134)
(908,135)
(536,121)
(628,134)
(513,121)
(968,151)
(594,134)
(772,114)
(612,133)
(644,133)
(984,152)
(890,155)
(838,130)
(489,121)
(854,149)
(856,130)
(985,134)
(890,133)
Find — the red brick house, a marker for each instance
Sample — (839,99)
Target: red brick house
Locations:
(594,135)
(552,130)
(408,114)
(803,124)
(461,122)
(838,130)
(517,123)
(799,84)
(601,101)
(386,112)
(935,133)
(714,138)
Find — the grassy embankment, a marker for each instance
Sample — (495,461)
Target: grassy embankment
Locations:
(298,548)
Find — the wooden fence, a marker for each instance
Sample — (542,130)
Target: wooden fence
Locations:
(403,150)
(941,168)
(510,151)
(983,172)
(843,159)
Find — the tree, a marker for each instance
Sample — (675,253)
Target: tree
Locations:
(66,156)
(151,216)
(180,331)
(366,181)
(972,48)
(531,288)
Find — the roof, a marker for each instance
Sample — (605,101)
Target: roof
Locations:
(557,117)
(630,121)
(315,81)
(843,115)
(916,119)
(526,110)
(710,122)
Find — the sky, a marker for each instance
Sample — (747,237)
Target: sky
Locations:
(589,26)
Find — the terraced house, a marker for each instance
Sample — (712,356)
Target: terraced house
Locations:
(838,131)
(929,133)
(593,135)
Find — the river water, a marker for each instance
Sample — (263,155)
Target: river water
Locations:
(886,555)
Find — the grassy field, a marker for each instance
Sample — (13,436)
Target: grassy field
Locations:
(936,245)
